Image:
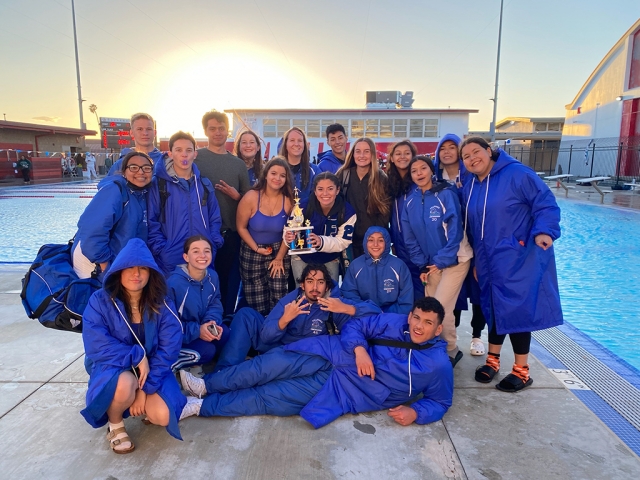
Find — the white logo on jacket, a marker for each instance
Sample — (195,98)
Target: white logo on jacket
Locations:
(389,285)
(435,213)
(317,326)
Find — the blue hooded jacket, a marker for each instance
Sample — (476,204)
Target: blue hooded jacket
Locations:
(518,280)
(116,169)
(111,348)
(401,374)
(385,281)
(184,215)
(197,302)
(115,215)
(309,324)
(329,162)
(432,226)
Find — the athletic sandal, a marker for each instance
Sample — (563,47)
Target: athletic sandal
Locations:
(477,347)
(517,380)
(117,437)
(454,360)
(486,372)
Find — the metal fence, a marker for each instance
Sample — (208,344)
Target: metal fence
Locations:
(618,158)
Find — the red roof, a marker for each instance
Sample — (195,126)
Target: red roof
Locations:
(350,110)
(51,129)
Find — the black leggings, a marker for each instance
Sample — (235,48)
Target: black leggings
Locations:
(477,321)
(519,341)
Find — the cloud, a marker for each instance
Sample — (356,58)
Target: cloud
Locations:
(48,119)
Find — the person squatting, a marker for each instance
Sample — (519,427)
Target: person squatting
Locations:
(202,268)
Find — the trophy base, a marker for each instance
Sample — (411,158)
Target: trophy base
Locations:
(301,251)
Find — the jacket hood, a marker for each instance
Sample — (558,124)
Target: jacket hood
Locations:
(134,254)
(112,179)
(387,241)
(504,159)
(164,169)
(455,139)
(329,156)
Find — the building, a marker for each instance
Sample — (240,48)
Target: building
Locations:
(385,126)
(39,143)
(535,141)
(601,134)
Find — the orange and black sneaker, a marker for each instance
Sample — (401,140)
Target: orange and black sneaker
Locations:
(517,380)
(486,372)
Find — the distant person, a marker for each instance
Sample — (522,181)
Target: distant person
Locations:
(24,164)
(195,290)
(379,276)
(116,214)
(332,219)
(247,148)
(262,214)
(332,160)
(131,337)
(513,220)
(450,167)
(365,186)
(314,308)
(400,188)
(324,377)
(91,165)
(143,134)
(228,174)
(181,204)
(432,226)
(295,150)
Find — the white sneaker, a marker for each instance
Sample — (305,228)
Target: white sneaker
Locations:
(192,384)
(191,408)
(477,347)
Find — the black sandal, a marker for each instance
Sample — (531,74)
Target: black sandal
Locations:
(484,374)
(513,383)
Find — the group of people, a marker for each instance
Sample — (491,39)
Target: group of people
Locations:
(195,253)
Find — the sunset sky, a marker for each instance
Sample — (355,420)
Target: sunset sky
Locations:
(177,60)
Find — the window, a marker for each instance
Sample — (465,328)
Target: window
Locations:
(554,127)
(540,127)
(371,128)
(431,128)
(386,128)
(313,129)
(400,128)
(345,123)
(323,126)
(269,128)
(301,124)
(416,128)
(357,128)
(283,126)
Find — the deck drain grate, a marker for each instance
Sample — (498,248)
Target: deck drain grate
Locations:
(606,383)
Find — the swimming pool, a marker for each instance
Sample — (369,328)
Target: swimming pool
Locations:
(598,256)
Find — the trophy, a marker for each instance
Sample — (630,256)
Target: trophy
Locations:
(302,240)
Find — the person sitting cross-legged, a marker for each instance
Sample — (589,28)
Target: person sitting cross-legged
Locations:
(315,308)
(323,377)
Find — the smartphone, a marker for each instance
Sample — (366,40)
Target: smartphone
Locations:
(213,329)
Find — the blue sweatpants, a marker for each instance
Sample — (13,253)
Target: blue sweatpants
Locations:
(245,334)
(277,383)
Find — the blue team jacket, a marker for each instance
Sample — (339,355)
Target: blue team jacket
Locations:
(197,302)
(386,281)
(518,280)
(115,215)
(329,162)
(111,348)
(184,216)
(401,375)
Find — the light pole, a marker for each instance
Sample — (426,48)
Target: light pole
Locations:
(495,93)
(75,44)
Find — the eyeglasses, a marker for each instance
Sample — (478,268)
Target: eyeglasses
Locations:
(136,168)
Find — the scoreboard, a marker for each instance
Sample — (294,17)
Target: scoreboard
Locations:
(115,133)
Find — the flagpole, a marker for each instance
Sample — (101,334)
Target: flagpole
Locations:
(75,44)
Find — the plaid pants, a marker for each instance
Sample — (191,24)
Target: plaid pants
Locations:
(262,291)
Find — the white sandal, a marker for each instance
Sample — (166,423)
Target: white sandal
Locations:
(477,347)
(117,437)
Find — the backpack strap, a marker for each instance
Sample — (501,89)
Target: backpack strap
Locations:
(399,344)
(205,194)
(346,175)
(164,195)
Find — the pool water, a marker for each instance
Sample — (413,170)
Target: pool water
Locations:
(598,256)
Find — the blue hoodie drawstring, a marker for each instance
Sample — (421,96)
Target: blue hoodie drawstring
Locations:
(484,209)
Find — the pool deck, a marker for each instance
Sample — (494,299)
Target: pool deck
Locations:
(544,432)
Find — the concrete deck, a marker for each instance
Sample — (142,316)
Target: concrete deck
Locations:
(544,432)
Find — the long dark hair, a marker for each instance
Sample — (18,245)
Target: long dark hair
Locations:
(314,206)
(257,160)
(152,296)
(495,153)
(399,185)
(287,188)
(305,168)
